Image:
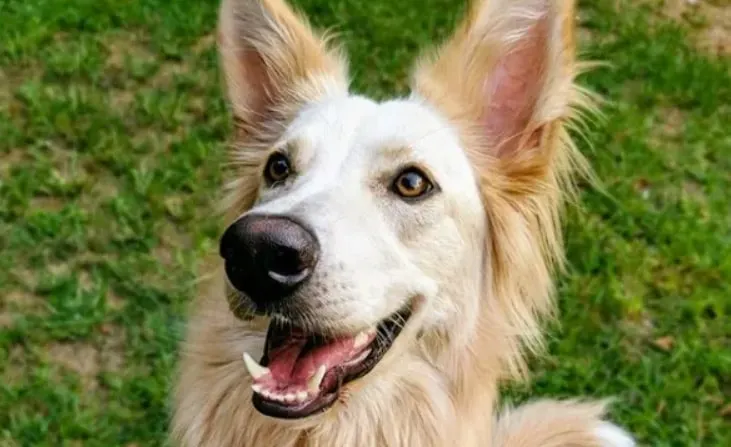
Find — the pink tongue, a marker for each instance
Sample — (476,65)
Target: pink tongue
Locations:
(289,366)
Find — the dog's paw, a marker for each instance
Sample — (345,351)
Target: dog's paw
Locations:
(611,435)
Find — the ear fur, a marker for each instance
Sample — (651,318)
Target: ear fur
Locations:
(273,64)
(506,80)
(272,58)
(508,70)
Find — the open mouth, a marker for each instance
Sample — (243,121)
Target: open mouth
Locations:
(301,374)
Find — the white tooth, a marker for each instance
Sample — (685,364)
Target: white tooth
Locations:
(278,397)
(256,370)
(257,388)
(266,394)
(290,397)
(363,355)
(313,385)
(301,396)
(361,339)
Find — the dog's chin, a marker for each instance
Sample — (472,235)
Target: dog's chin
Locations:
(302,374)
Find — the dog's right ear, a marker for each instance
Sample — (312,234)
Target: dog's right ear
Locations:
(273,63)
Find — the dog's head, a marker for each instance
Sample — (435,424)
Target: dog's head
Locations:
(363,226)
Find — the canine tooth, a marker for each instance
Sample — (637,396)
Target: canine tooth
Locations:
(257,388)
(313,385)
(256,370)
(363,355)
(361,339)
(301,395)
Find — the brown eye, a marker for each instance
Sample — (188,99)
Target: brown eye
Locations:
(412,184)
(277,168)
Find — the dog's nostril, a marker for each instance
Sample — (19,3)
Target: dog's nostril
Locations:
(289,280)
(291,259)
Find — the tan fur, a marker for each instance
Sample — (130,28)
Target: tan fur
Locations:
(548,424)
(445,390)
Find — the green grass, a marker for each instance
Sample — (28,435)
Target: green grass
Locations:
(112,131)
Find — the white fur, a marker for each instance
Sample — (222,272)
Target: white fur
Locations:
(378,252)
(613,436)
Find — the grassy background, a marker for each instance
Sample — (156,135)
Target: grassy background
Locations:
(112,126)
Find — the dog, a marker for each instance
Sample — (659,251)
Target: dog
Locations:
(388,264)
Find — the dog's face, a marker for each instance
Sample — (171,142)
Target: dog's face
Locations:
(364,225)
(389,200)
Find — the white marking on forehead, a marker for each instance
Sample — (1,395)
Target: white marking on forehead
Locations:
(408,123)
(328,130)
(331,127)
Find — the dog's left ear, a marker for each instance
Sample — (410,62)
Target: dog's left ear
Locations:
(506,81)
(506,75)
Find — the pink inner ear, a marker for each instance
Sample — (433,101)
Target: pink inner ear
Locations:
(256,82)
(512,90)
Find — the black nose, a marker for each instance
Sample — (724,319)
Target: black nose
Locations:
(268,257)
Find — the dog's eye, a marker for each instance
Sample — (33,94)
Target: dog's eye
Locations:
(277,168)
(412,184)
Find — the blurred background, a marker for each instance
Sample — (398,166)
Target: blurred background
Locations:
(112,145)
